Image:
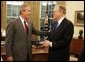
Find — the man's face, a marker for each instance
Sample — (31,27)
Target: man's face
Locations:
(26,12)
(56,13)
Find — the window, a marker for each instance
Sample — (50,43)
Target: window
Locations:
(13,9)
(46,15)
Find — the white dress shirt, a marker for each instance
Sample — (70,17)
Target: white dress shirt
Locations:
(22,20)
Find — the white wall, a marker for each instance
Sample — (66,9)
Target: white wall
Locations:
(71,7)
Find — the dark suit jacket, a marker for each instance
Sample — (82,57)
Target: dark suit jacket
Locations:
(81,56)
(61,40)
(18,44)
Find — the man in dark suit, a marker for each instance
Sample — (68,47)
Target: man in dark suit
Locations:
(18,36)
(59,37)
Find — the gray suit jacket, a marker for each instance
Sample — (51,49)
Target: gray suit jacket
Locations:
(18,44)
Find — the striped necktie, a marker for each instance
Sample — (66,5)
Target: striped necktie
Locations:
(26,27)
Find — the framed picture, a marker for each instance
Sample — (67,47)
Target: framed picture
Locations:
(79,18)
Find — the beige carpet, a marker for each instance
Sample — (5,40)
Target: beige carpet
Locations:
(72,58)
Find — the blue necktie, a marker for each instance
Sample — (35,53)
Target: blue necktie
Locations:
(54,27)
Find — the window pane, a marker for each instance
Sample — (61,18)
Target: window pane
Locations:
(8,12)
(9,5)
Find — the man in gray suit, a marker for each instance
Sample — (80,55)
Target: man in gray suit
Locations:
(18,41)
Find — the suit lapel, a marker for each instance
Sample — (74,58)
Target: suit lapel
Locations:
(61,25)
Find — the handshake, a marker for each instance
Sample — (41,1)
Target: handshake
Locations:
(45,43)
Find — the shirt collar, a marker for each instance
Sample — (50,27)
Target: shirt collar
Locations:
(22,20)
(60,20)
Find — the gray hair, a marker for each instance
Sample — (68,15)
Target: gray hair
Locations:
(61,8)
(22,8)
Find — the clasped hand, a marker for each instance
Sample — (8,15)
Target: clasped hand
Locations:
(44,43)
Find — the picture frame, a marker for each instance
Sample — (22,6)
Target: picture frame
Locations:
(79,18)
